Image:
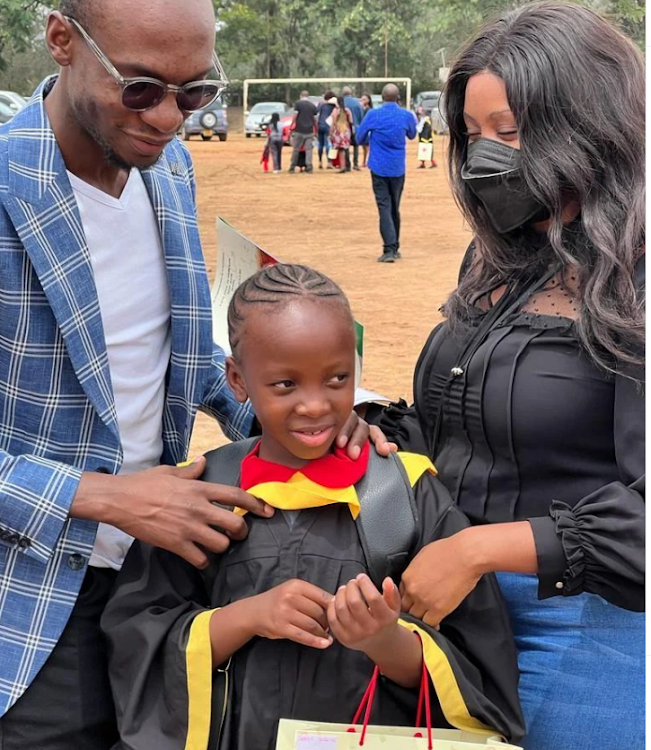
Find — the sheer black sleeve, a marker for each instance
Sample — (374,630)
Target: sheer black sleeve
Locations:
(598,545)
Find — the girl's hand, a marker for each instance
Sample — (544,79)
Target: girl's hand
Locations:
(294,610)
(361,618)
(356,432)
(438,579)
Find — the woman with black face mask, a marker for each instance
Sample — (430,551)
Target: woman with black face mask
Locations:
(530,394)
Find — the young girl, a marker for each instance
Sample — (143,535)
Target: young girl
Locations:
(289,615)
(425,140)
(275,141)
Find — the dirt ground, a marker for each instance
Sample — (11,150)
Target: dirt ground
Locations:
(330,221)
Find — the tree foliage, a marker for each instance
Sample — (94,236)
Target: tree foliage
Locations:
(294,38)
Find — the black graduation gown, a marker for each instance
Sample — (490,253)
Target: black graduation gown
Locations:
(160,665)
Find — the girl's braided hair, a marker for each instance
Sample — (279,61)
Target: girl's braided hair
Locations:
(278,285)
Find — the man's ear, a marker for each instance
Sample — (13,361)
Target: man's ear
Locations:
(58,38)
(236,380)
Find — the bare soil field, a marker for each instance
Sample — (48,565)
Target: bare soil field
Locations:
(329,221)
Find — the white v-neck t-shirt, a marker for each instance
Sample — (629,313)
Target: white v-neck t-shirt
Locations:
(128,263)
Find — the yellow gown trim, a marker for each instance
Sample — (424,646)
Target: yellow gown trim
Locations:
(445,683)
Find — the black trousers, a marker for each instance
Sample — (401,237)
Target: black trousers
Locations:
(69,705)
(276,148)
(388,191)
(353,143)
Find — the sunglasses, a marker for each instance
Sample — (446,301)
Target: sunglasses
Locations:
(142,93)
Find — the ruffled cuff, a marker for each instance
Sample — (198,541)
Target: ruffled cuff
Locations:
(567,529)
(551,557)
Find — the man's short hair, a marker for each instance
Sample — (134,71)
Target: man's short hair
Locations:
(304,94)
(80,10)
(347,91)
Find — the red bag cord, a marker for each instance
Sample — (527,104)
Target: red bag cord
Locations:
(423,699)
(428,707)
(369,705)
(373,680)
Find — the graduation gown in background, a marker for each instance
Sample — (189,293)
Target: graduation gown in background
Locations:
(168,697)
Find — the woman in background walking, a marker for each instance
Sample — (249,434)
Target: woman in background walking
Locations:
(341,134)
(367,105)
(324,123)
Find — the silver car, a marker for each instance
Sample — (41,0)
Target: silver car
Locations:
(257,119)
(6,113)
(14,101)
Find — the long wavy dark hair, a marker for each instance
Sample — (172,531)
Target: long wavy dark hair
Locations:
(575,85)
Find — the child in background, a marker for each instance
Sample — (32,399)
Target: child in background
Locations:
(264,158)
(425,140)
(290,614)
(275,141)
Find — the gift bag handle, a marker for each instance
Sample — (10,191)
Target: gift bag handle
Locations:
(423,698)
(369,695)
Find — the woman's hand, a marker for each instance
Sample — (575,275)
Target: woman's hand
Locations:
(439,578)
(356,432)
(361,617)
(444,572)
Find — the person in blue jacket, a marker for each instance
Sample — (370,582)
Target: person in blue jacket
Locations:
(385,130)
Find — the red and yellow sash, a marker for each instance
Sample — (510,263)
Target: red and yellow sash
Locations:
(327,480)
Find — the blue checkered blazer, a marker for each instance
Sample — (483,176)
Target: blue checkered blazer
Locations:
(57,412)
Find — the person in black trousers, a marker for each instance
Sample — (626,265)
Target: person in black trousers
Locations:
(386,129)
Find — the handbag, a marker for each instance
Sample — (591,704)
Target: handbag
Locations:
(333,153)
(425,151)
(314,735)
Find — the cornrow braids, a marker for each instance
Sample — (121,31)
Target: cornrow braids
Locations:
(278,285)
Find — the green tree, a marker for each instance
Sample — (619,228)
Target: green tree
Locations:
(20,24)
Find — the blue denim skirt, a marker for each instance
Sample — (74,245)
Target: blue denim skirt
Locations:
(581,669)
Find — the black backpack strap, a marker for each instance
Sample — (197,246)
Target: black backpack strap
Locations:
(223,464)
(388,521)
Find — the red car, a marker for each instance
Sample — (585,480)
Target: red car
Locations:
(286,123)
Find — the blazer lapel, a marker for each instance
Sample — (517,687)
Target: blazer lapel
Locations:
(44,212)
(191,316)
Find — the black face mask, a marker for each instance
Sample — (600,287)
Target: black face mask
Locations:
(493,172)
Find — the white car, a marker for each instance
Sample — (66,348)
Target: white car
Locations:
(258,118)
(14,101)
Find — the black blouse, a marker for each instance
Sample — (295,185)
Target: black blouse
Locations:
(534,431)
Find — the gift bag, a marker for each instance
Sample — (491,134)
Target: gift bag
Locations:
(425,151)
(314,735)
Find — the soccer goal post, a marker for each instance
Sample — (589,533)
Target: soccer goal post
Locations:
(248,81)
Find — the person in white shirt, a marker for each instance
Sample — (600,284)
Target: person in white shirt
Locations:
(106,351)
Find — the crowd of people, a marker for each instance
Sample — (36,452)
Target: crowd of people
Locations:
(487,539)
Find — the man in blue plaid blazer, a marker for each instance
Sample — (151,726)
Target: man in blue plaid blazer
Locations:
(60,442)
(72,161)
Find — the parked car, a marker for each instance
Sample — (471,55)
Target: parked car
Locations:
(208,122)
(257,119)
(11,99)
(286,123)
(427,99)
(6,113)
(432,103)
